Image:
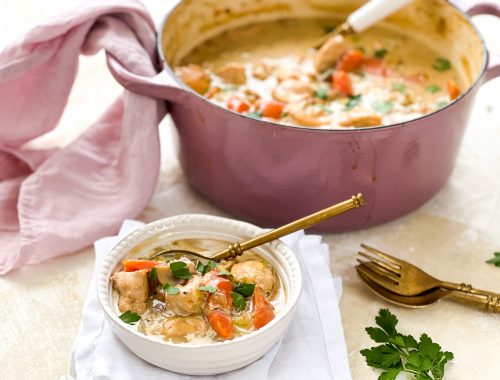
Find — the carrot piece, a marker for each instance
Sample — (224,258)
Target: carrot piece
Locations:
(375,66)
(211,93)
(273,109)
(342,83)
(133,265)
(237,104)
(263,311)
(453,90)
(221,322)
(222,284)
(351,60)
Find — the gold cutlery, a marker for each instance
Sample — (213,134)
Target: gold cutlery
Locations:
(406,280)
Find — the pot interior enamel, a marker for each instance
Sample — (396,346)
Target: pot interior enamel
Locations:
(270,173)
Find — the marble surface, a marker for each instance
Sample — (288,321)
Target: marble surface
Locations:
(450,237)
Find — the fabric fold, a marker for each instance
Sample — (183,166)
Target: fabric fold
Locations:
(59,201)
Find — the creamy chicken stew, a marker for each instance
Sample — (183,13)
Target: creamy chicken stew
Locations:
(186,301)
(269,71)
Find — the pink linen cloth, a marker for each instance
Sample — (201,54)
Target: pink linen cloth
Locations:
(56,202)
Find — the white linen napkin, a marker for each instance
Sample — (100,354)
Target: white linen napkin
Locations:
(312,348)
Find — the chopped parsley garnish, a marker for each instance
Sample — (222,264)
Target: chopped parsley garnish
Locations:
(238,301)
(208,289)
(433,88)
(224,272)
(179,270)
(321,92)
(325,109)
(130,317)
(169,289)
(205,268)
(254,115)
(361,49)
(495,260)
(384,107)
(352,102)
(243,288)
(440,105)
(441,64)
(400,87)
(400,353)
(153,275)
(380,53)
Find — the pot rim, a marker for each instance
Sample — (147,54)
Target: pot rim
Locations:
(183,86)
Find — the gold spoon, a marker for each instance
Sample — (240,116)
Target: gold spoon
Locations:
(237,249)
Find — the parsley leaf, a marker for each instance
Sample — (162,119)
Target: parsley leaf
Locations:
(380,53)
(402,353)
(205,268)
(321,92)
(224,272)
(130,317)
(384,107)
(243,288)
(352,102)
(400,87)
(153,275)
(495,260)
(254,115)
(441,64)
(440,105)
(208,289)
(179,270)
(433,88)
(169,289)
(238,301)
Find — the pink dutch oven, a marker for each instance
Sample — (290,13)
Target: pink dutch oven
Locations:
(269,173)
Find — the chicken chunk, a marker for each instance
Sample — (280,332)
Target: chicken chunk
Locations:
(362,118)
(309,116)
(195,77)
(179,327)
(188,301)
(164,273)
(232,73)
(262,70)
(255,272)
(330,52)
(133,290)
(293,90)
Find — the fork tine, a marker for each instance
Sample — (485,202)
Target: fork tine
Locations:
(380,272)
(389,266)
(383,255)
(383,282)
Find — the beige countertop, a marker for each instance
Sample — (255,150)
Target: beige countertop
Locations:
(450,237)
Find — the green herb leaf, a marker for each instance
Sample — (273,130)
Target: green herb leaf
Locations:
(402,353)
(441,64)
(361,49)
(325,108)
(245,289)
(352,102)
(238,301)
(179,270)
(495,260)
(433,88)
(254,115)
(380,53)
(224,272)
(205,268)
(321,92)
(130,317)
(440,105)
(169,289)
(208,288)
(400,87)
(153,275)
(384,107)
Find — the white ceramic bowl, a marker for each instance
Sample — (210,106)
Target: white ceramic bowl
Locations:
(206,359)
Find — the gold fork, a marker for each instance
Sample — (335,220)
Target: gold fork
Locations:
(405,279)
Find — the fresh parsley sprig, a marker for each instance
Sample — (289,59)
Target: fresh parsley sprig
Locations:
(400,353)
(495,260)
(130,317)
(179,270)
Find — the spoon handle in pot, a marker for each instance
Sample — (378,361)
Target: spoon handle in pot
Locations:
(237,249)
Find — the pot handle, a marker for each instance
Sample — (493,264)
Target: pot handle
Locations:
(161,86)
(472,8)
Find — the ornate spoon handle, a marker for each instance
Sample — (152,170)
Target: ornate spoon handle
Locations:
(490,301)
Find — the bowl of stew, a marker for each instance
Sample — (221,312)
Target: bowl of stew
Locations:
(270,128)
(197,316)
